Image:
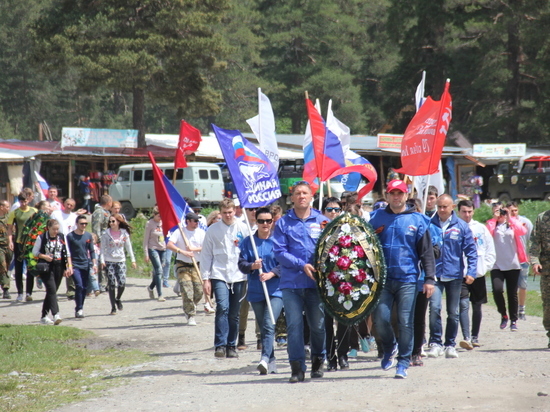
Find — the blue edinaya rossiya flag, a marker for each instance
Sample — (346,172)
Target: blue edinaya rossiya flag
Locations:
(254,176)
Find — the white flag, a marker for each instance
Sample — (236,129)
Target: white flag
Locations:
(263,127)
(339,129)
(419,95)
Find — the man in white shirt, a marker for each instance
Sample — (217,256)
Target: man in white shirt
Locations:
(220,273)
(189,280)
(477,291)
(52,199)
(66,218)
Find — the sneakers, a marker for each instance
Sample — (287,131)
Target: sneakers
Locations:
(231,352)
(28,298)
(208,309)
(119,304)
(401,372)
(434,350)
(79,314)
(97,293)
(466,344)
(151,293)
(161,299)
(513,327)
(6,294)
(504,322)
(262,367)
(417,360)
(165,284)
(388,360)
(259,344)
(450,352)
(272,367)
(220,352)
(39,283)
(191,321)
(46,321)
(352,353)
(521,316)
(475,342)
(423,352)
(57,319)
(307,349)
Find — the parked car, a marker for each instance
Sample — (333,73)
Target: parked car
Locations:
(134,187)
(531,182)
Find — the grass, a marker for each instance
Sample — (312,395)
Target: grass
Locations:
(45,367)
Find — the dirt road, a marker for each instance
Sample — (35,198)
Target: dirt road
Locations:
(510,372)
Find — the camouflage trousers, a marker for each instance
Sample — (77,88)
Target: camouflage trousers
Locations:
(5,259)
(545,295)
(190,287)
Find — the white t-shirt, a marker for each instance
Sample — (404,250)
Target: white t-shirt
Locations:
(67,221)
(196,239)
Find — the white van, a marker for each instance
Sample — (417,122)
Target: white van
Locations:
(134,186)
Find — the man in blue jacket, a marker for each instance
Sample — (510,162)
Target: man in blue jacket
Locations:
(406,242)
(458,242)
(295,238)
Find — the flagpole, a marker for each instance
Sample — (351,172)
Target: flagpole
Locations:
(195,265)
(264,287)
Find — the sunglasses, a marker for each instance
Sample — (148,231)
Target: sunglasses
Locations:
(333,209)
(300,182)
(193,220)
(83,224)
(251,209)
(112,221)
(264,221)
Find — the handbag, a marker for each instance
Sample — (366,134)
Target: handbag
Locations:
(42,266)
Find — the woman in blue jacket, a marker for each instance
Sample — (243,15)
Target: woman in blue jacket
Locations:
(264,269)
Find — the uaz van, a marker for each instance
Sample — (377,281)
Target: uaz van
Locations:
(134,187)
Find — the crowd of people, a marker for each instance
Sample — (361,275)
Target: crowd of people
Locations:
(264,259)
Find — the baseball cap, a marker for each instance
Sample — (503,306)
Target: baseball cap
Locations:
(194,204)
(191,216)
(397,185)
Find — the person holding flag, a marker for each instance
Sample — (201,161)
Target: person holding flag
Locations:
(221,274)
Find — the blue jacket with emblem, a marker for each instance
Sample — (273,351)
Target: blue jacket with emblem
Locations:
(294,246)
(458,241)
(406,241)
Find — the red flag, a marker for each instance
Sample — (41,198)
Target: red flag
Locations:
(424,138)
(170,203)
(189,141)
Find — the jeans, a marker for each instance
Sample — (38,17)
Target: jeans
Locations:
(167,262)
(452,290)
(81,278)
(498,277)
(267,327)
(19,268)
(157,259)
(228,296)
(464,316)
(297,301)
(404,297)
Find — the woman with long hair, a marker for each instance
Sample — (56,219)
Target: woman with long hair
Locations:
(51,248)
(510,252)
(114,242)
(154,249)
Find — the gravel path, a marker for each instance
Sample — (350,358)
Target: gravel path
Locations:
(510,372)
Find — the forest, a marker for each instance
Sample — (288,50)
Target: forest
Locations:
(145,64)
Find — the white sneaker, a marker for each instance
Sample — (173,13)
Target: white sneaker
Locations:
(434,351)
(208,308)
(185,320)
(423,352)
(57,319)
(450,352)
(151,293)
(161,299)
(191,321)
(19,298)
(262,367)
(272,367)
(46,321)
(79,314)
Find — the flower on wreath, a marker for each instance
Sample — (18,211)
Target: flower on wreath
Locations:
(346,288)
(343,262)
(345,241)
(361,275)
(359,251)
(333,278)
